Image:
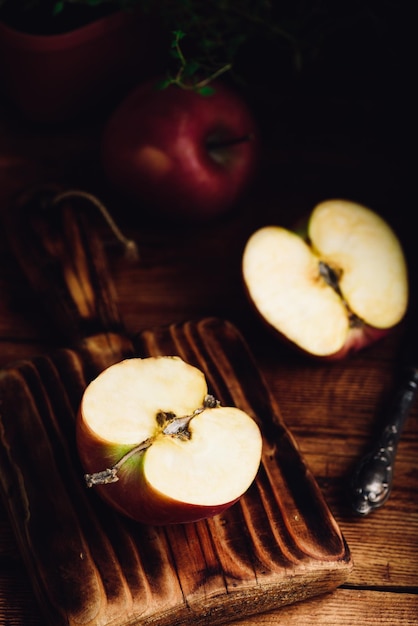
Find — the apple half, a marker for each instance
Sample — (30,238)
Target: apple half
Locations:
(335,290)
(159,448)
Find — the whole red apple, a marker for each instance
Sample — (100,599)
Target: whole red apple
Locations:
(181,154)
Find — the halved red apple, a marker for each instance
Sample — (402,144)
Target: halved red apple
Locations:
(336,290)
(159,448)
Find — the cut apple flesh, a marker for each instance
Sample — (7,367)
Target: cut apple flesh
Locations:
(120,405)
(283,279)
(373,269)
(217,464)
(288,278)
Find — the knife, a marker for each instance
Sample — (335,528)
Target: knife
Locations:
(371,481)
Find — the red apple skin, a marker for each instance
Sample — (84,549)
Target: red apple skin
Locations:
(155,150)
(130,495)
(358,339)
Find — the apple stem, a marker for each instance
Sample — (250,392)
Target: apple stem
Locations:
(176,426)
(225,143)
(110,475)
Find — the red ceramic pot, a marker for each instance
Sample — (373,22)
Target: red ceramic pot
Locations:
(52,78)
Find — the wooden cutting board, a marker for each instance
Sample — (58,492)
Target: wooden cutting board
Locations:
(91,567)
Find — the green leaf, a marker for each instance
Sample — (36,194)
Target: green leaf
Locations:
(58,7)
(163,83)
(206,91)
(191,68)
(174,52)
(178,36)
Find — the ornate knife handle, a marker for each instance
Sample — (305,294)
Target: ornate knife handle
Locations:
(371,483)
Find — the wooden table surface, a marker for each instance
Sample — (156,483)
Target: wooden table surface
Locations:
(333,410)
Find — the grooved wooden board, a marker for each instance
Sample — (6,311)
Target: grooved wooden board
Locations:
(91,567)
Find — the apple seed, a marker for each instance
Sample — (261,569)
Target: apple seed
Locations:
(179,425)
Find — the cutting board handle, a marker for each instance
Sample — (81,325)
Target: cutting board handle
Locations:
(53,234)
